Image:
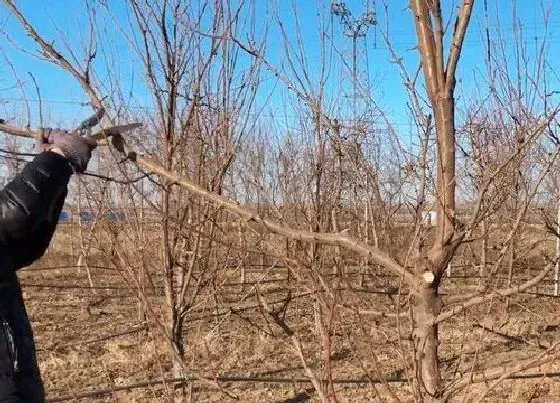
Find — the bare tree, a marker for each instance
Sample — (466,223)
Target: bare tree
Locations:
(219,195)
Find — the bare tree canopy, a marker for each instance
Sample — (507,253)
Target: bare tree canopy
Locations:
(292,197)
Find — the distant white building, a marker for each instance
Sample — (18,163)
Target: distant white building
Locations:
(429,217)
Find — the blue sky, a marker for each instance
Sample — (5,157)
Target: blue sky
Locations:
(62,96)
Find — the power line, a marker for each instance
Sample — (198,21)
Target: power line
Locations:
(246,114)
(51,101)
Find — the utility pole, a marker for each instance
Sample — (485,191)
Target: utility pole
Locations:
(357,29)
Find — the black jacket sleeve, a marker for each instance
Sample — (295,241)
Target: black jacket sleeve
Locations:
(30,206)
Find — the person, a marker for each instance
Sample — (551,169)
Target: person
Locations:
(30,206)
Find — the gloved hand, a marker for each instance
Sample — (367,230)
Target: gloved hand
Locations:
(74,147)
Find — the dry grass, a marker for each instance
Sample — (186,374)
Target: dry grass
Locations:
(72,324)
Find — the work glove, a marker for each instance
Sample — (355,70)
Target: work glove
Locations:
(77,149)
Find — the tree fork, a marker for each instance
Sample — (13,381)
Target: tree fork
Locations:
(439,78)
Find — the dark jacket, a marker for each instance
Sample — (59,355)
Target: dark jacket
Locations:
(29,209)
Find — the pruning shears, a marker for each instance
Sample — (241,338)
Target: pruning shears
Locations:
(85,128)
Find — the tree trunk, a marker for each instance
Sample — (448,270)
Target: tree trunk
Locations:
(427,305)
(177,351)
(178,347)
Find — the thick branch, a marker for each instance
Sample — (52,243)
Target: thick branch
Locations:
(16,131)
(438,40)
(458,37)
(334,239)
(426,46)
(32,134)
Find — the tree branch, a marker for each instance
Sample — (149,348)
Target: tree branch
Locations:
(333,239)
(503,372)
(498,293)
(426,46)
(54,55)
(458,37)
(325,238)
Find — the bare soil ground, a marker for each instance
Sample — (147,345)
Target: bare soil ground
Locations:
(91,338)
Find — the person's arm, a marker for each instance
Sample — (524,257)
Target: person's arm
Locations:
(30,207)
